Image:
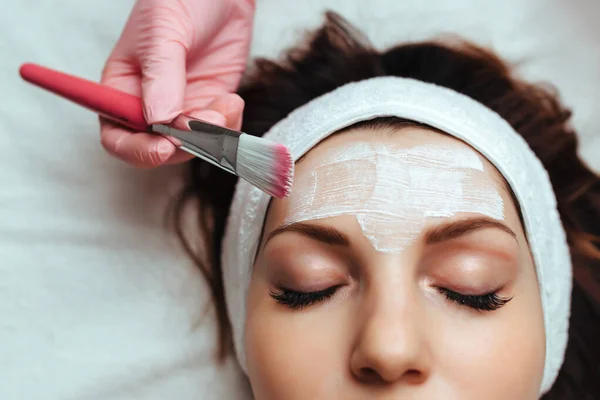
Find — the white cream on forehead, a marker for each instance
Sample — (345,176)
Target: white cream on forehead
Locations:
(392,192)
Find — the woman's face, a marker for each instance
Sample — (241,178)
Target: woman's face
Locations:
(398,268)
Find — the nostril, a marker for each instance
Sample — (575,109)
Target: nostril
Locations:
(369,375)
(414,376)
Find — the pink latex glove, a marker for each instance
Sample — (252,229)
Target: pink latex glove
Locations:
(180,56)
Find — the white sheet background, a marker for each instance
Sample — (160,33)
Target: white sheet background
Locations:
(96,299)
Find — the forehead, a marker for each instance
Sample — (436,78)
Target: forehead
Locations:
(418,143)
(393,181)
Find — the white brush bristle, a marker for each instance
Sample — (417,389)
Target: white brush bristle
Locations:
(265,164)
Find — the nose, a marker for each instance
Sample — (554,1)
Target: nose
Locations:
(391,345)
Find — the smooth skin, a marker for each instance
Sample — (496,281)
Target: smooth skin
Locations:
(179,56)
(388,331)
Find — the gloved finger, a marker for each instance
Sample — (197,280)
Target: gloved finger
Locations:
(139,149)
(122,74)
(117,140)
(180,156)
(229,105)
(147,150)
(224,59)
(163,82)
(162,58)
(236,112)
(206,115)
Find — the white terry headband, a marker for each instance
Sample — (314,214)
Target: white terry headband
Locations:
(450,112)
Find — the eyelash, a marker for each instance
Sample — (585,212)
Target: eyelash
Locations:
(299,300)
(484,302)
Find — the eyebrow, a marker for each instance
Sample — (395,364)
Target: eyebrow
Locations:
(437,234)
(323,234)
(463,227)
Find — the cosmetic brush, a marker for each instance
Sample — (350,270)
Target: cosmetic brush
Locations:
(265,164)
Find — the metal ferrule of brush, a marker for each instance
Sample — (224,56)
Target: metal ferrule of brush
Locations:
(212,143)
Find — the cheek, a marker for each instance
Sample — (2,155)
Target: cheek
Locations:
(505,351)
(279,370)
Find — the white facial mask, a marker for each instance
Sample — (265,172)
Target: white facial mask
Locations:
(392,192)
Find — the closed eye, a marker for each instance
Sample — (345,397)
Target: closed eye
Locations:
(299,300)
(485,302)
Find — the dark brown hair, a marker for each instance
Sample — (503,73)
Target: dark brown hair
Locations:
(337,54)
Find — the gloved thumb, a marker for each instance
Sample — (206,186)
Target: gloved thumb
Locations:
(163,67)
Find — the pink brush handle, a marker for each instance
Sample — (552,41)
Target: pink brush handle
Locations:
(110,103)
